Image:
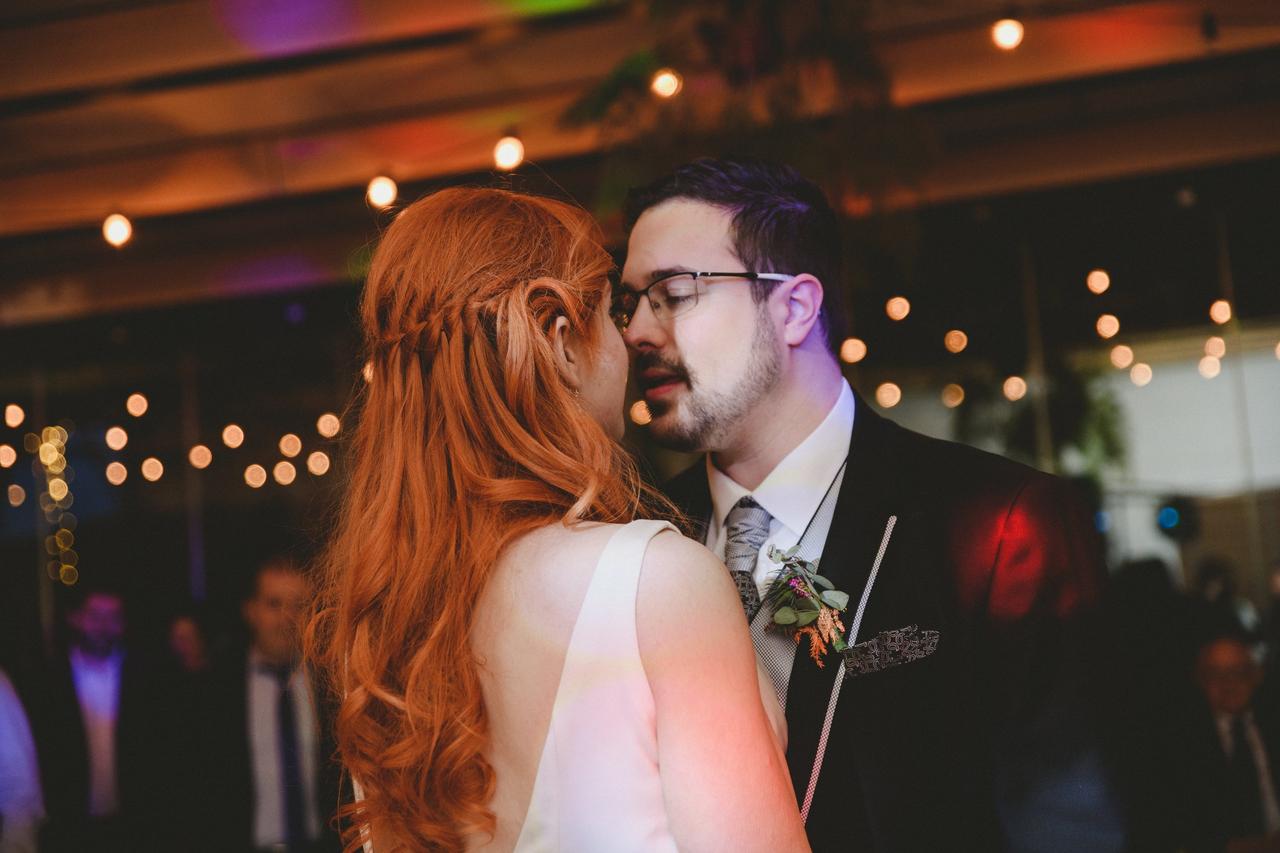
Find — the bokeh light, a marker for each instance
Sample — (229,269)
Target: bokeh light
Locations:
(1108,326)
(1141,374)
(508,154)
(955,341)
(1220,312)
(117,473)
(328,425)
(14,416)
(232,436)
(7,456)
(284,472)
(888,395)
(666,83)
(1007,33)
(1015,388)
(853,350)
(117,229)
(897,308)
(152,469)
(200,456)
(952,395)
(1121,356)
(136,405)
(1210,366)
(68,575)
(1215,347)
(290,445)
(16,495)
(47,453)
(255,475)
(58,488)
(381,192)
(640,414)
(1098,281)
(318,463)
(117,438)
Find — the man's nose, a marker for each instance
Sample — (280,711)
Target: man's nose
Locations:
(644,331)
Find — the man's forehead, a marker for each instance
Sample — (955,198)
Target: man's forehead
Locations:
(678,234)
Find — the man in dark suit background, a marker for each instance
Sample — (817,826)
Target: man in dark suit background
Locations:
(956,722)
(271,782)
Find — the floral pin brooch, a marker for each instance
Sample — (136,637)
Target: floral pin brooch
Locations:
(806,604)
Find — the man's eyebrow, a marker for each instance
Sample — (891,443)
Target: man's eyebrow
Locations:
(657,274)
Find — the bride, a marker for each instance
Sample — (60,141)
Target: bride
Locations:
(524,658)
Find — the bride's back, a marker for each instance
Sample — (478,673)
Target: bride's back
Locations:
(524,622)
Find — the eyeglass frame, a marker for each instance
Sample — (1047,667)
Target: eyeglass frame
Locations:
(643,293)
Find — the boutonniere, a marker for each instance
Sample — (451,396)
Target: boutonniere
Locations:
(806,604)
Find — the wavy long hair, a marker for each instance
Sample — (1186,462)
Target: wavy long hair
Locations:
(466,437)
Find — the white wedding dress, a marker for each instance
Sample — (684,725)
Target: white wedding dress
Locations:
(598,788)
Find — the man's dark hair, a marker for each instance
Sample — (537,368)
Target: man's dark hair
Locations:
(781,222)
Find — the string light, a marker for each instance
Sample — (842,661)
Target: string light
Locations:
(328,425)
(152,469)
(952,396)
(1098,282)
(888,395)
(1121,356)
(7,456)
(1108,326)
(47,453)
(255,475)
(318,463)
(136,405)
(897,308)
(232,436)
(1220,312)
(117,229)
(382,192)
(1015,388)
(508,153)
(640,414)
(1215,347)
(1141,374)
(853,350)
(666,83)
(14,416)
(1007,33)
(16,495)
(117,438)
(955,341)
(117,473)
(290,445)
(1210,366)
(200,456)
(284,472)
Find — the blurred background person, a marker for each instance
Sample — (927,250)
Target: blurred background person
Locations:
(21,804)
(271,784)
(1227,754)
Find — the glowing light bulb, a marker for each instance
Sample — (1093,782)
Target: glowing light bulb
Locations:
(1108,326)
(1121,356)
(290,445)
(255,476)
(136,405)
(1220,312)
(952,396)
(200,456)
(1098,282)
(381,192)
(318,463)
(117,229)
(955,341)
(1215,347)
(117,473)
(853,350)
(232,436)
(117,438)
(7,456)
(666,83)
(1210,366)
(16,495)
(1141,374)
(1007,33)
(152,469)
(284,472)
(328,425)
(14,416)
(897,308)
(1015,388)
(888,395)
(508,153)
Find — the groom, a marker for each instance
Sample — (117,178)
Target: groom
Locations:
(954,720)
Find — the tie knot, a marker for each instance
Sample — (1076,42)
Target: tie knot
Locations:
(746,527)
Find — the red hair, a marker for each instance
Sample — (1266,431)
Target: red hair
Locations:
(466,438)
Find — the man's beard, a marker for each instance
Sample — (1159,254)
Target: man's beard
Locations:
(704,418)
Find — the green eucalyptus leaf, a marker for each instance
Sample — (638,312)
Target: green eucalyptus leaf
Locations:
(785,616)
(823,582)
(808,604)
(835,598)
(807,617)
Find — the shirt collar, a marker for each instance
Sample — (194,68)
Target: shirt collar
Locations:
(794,489)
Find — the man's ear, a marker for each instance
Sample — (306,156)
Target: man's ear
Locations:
(804,308)
(569,355)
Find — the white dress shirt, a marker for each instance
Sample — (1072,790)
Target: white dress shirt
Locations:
(264,751)
(21,804)
(97,683)
(1270,809)
(792,492)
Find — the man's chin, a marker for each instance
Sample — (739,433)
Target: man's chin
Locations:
(667,430)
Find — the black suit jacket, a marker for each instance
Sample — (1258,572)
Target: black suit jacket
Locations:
(947,752)
(228,810)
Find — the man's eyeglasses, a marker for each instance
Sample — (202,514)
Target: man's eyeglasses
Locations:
(673,295)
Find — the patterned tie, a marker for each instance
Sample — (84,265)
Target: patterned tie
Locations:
(746,528)
(290,762)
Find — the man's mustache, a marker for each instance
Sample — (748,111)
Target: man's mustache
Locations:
(655,361)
